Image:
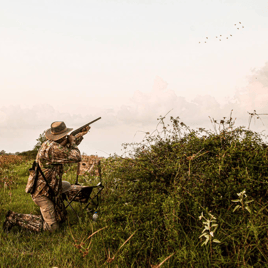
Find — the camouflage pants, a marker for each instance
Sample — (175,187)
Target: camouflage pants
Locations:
(47,209)
(35,222)
(26,221)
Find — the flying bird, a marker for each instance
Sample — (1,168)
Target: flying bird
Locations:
(220,35)
(207,37)
(235,25)
(230,35)
(226,37)
(220,39)
(205,41)
(239,22)
(242,26)
(216,36)
(237,28)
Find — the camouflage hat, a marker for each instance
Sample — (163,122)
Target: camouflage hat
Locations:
(57,131)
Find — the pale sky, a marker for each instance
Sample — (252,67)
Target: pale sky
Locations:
(128,61)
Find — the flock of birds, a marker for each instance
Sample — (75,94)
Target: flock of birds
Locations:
(227,37)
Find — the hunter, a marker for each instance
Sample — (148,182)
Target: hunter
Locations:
(57,150)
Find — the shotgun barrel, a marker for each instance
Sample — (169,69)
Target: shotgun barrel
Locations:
(80,128)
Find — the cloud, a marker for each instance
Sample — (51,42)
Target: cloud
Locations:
(260,75)
(38,116)
(19,127)
(144,108)
(255,95)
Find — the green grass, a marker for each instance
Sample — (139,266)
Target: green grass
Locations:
(151,205)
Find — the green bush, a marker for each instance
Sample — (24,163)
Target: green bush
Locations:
(170,178)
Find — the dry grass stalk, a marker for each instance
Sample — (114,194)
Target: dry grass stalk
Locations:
(109,260)
(158,265)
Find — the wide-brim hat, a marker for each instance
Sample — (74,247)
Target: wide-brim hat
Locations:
(57,131)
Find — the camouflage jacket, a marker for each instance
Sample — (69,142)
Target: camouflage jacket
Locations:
(51,157)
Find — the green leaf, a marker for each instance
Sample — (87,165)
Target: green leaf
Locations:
(236,200)
(238,206)
(248,209)
(206,228)
(205,242)
(205,235)
(216,241)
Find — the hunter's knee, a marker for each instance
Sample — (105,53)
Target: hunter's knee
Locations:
(55,226)
(51,228)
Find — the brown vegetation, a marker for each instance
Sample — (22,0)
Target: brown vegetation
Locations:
(7,160)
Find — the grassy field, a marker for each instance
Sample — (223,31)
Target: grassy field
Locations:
(179,198)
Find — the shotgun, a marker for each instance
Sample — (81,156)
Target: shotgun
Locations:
(81,128)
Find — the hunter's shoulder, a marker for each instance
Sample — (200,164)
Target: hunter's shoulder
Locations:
(47,145)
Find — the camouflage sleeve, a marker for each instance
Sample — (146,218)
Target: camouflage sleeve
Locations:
(78,139)
(60,155)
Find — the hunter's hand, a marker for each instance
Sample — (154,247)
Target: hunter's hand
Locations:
(64,142)
(71,140)
(85,130)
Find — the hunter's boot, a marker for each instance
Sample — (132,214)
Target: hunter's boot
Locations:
(9,222)
(26,221)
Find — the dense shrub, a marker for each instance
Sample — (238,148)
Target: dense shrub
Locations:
(164,183)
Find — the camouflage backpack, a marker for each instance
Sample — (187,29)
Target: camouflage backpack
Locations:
(31,183)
